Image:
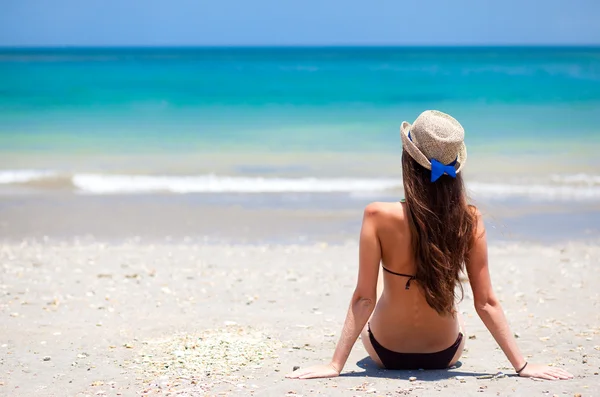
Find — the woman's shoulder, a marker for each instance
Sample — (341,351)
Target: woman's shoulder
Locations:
(385,210)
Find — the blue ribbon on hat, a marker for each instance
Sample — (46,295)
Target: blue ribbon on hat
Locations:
(438,169)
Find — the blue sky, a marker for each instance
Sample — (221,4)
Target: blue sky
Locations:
(291,22)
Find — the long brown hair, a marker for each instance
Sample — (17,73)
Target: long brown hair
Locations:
(441,224)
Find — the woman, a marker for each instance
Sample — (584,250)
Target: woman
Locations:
(423,244)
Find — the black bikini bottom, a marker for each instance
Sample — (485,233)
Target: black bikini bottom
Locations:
(394,360)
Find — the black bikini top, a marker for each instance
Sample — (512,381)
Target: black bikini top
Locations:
(410,278)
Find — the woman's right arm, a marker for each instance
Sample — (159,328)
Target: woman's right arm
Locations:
(491,313)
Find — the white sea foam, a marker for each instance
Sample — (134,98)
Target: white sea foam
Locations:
(24,176)
(570,187)
(552,187)
(115,184)
(550,192)
(577,179)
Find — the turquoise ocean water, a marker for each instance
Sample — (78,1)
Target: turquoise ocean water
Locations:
(264,120)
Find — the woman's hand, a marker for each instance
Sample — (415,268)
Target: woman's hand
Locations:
(545,372)
(316,371)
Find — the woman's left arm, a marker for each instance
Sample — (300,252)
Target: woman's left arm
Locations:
(362,303)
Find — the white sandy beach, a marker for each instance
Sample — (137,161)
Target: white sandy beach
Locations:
(87,318)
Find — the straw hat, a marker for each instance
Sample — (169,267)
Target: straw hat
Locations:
(435,138)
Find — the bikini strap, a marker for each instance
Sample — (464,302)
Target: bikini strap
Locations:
(410,278)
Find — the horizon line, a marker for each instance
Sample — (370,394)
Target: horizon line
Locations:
(291,46)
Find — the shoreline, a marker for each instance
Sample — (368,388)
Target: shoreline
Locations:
(254,219)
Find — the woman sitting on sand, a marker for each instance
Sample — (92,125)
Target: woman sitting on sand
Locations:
(422,245)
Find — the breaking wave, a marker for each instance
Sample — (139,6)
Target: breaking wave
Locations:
(554,187)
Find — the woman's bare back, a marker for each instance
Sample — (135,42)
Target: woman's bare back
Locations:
(403,321)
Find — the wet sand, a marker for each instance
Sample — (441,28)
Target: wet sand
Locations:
(256,218)
(82,317)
